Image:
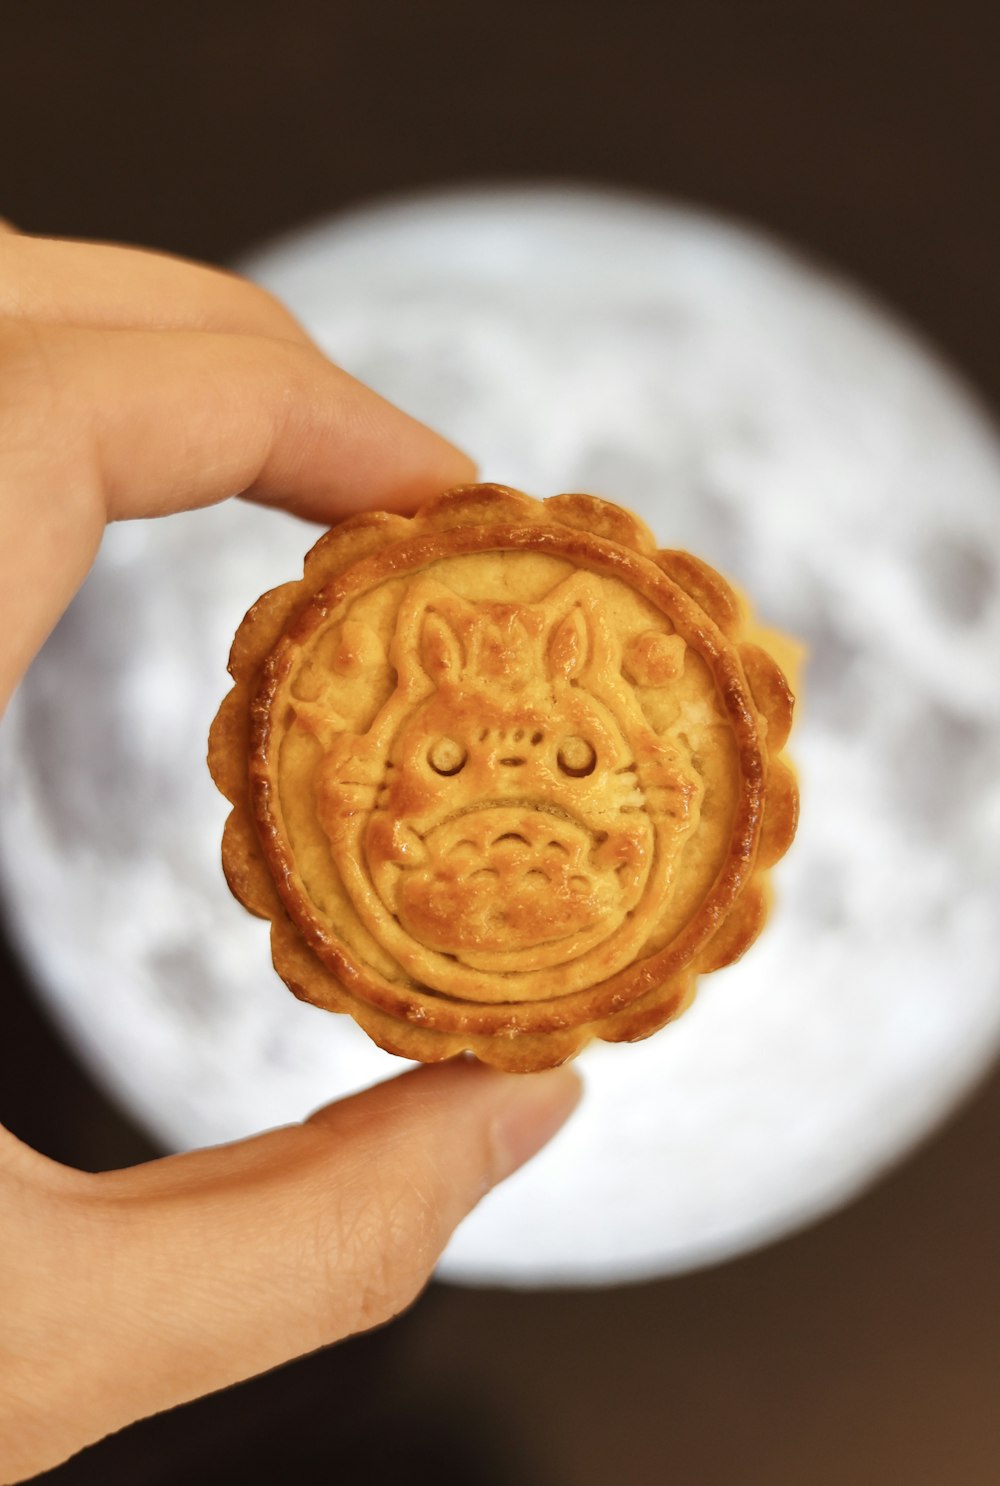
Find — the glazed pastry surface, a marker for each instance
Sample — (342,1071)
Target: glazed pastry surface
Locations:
(505,777)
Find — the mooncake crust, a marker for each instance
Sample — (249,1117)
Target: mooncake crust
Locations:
(504,776)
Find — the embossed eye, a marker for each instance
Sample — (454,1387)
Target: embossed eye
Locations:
(576,757)
(445,756)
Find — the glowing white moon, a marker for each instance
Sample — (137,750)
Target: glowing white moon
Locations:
(749,408)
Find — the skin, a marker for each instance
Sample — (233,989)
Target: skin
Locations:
(134,385)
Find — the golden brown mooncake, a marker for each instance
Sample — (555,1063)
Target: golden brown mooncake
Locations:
(505,777)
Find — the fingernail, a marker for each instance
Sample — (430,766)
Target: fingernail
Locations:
(538,1104)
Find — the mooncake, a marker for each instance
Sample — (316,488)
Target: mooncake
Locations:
(505,777)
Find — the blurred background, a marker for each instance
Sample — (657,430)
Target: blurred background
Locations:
(866,1346)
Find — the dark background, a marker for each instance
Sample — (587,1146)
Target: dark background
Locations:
(865,1349)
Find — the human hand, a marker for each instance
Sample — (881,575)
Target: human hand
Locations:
(137,385)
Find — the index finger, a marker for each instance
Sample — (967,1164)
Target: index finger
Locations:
(103,425)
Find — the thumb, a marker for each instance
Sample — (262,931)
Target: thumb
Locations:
(235,1259)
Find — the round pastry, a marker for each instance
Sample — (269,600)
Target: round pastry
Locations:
(504,776)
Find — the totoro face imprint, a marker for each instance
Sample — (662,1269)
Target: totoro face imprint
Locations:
(523,823)
(510,806)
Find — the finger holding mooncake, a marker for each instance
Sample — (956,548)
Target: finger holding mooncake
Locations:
(102,425)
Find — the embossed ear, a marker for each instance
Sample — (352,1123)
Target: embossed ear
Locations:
(569,645)
(440,650)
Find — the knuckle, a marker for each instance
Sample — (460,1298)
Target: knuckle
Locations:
(378,1256)
(271,305)
(44,425)
(265,311)
(28,385)
(19,351)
